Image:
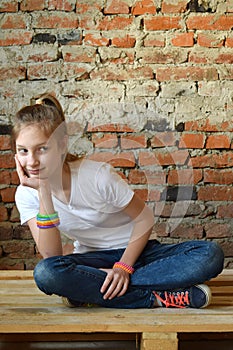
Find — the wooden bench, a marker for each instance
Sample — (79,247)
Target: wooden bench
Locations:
(26,314)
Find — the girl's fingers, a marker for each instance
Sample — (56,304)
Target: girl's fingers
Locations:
(115,284)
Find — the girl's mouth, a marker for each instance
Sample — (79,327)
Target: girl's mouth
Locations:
(34,172)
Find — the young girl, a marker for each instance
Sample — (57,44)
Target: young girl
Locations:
(114,264)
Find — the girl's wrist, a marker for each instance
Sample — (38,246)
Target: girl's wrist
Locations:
(121,265)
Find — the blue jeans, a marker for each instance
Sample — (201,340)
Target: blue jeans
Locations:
(159,267)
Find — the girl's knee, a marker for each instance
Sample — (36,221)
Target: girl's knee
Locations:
(44,275)
(217,255)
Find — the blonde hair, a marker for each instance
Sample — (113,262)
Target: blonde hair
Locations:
(47,113)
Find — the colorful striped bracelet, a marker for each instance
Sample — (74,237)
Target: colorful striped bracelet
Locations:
(47,221)
(123,266)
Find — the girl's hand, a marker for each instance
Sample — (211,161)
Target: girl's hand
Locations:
(24,179)
(115,284)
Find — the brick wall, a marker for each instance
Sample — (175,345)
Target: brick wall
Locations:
(150,85)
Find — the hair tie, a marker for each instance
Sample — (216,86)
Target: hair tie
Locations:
(39,101)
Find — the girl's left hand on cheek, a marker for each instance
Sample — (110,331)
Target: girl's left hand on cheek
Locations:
(115,284)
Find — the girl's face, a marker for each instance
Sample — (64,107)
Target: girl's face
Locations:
(39,155)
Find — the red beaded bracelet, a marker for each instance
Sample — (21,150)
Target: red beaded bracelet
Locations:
(123,266)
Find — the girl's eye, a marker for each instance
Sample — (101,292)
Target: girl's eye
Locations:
(22,150)
(43,149)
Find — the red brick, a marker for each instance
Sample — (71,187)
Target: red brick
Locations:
(85,55)
(109,128)
(142,193)
(222,160)
(155,177)
(160,229)
(14,178)
(172,158)
(55,20)
(210,40)
(183,40)
(207,125)
(163,158)
(163,139)
(156,41)
(8,194)
(147,159)
(162,56)
(124,159)
(192,141)
(217,230)
(8,264)
(6,231)
(154,196)
(3,213)
(108,73)
(32,5)
(96,40)
(203,57)
(19,249)
(215,193)
(226,58)
(227,247)
(5,140)
(15,37)
(162,23)
(127,41)
(116,7)
(14,215)
(133,141)
(115,23)
(13,21)
(83,8)
(178,7)
(184,176)
(188,232)
(186,73)
(225,211)
(44,71)
(61,5)
(210,22)
(7,160)
(229,42)
(144,7)
(75,71)
(222,177)
(12,73)
(218,141)
(9,6)
(105,141)
(5,177)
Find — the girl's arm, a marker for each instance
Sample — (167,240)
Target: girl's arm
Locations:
(117,280)
(48,240)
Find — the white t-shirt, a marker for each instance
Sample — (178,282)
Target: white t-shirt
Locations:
(94,217)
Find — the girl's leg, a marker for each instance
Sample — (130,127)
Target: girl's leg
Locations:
(160,267)
(172,266)
(62,276)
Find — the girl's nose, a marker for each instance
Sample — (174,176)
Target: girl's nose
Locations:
(32,160)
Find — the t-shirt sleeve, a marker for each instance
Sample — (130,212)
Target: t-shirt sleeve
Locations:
(27,203)
(113,188)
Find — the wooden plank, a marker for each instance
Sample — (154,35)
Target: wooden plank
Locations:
(159,341)
(61,320)
(16,274)
(24,309)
